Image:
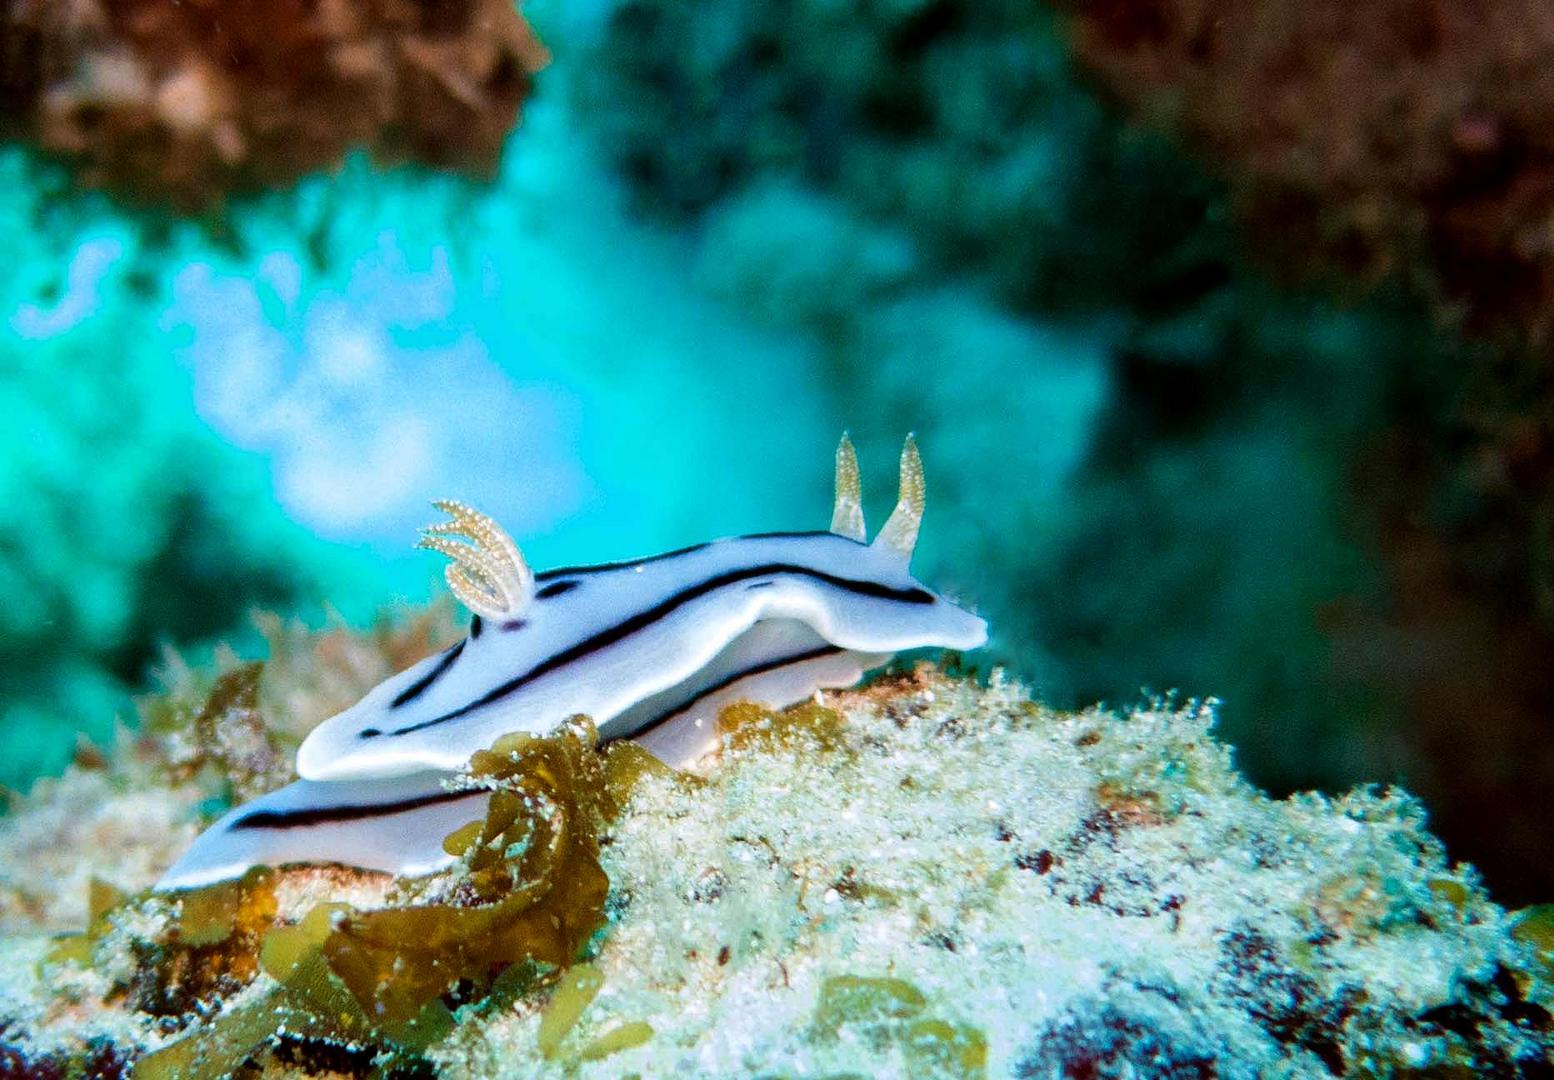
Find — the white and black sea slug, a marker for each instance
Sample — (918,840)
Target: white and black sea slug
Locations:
(650,648)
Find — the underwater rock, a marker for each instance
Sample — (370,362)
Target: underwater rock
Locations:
(184,103)
(926,877)
(1373,138)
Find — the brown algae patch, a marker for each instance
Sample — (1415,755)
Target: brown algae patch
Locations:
(928,878)
(234,976)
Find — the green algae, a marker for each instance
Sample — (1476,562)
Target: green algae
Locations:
(206,950)
(623,1036)
(222,1047)
(626,764)
(573,994)
(746,726)
(217,913)
(77,948)
(1533,927)
(1452,892)
(101,898)
(530,893)
(526,896)
(888,1011)
(858,999)
(940,1050)
(209,949)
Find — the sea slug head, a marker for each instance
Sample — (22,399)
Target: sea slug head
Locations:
(932,620)
(489,575)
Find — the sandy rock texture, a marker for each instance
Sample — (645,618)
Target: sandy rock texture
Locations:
(933,876)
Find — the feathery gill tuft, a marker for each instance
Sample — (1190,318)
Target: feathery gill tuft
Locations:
(488,574)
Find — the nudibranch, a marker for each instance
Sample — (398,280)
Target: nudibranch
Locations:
(650,649)
(396,826)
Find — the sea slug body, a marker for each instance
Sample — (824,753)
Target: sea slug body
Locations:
(396,826)
(650,649)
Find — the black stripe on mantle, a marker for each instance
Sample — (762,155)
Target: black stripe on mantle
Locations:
(424,683)
(643,619)
(329,815)
(723,684)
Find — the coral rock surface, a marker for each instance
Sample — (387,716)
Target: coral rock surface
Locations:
(926,877)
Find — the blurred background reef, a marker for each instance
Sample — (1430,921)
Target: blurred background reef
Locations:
(1224,329)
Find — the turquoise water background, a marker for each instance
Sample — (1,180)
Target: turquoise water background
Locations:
(651,327)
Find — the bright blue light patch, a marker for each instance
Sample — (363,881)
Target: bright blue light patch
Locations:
(90,263)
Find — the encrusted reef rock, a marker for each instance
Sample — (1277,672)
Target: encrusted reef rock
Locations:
(188,101)
(930,877)
(1371,137)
